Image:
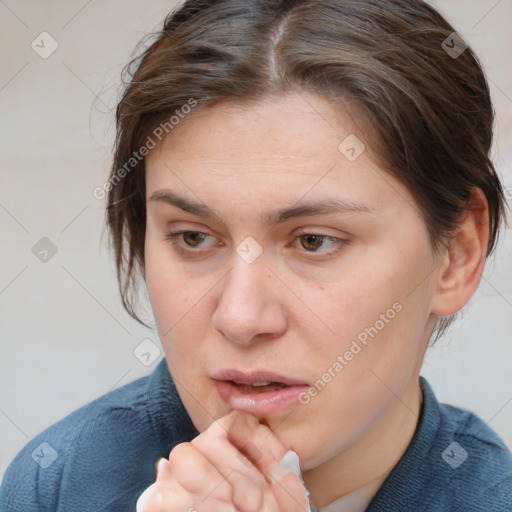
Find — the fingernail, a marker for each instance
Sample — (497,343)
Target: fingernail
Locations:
(157,465)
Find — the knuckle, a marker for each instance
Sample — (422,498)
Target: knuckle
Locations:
(202,442)
(248,502)
(245,495)
(193,472)
(181,454)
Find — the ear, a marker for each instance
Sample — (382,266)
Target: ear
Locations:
(463,263)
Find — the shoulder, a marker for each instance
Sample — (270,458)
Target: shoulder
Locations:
(471,465)
(454,463)
(83,446)
(476,459)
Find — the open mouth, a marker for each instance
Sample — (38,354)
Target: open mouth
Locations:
(258,387)
(258,391)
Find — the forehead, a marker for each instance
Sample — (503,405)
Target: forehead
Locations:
(288,148)
(291,126)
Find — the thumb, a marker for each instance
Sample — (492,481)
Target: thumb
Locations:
(153,498)
(163,469)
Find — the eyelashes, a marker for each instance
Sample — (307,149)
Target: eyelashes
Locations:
(173,236)
(307,240)
(312,238)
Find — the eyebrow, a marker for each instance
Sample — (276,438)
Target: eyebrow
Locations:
(324,207)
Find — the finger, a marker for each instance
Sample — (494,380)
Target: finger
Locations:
(160,498)
(290,493)
(257,442)
(279,466)
(156,498)
(263,453)
(285,494)
(163,470)
(165,490)
(195,472)
(248,485)
(214,445)
(188,479)
(247,496)
(285,479)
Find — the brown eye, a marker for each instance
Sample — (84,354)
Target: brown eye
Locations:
(183,239)
(193,238)
(312,242)
(323,245)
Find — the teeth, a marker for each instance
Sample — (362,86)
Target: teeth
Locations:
(262,383)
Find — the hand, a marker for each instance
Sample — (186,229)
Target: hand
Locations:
(229,467)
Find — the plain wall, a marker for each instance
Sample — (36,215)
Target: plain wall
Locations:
(64,337)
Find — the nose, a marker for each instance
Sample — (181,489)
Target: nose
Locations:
(249,308)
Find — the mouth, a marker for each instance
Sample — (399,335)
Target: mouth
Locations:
(257,387)
(260,392)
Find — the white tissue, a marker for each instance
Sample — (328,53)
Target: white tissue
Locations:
(289,464)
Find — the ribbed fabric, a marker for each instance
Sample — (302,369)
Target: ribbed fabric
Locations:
(102,457)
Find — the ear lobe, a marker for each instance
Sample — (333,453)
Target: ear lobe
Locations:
(465,259)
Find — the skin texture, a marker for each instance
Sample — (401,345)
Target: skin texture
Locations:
(212,473)
(301,304)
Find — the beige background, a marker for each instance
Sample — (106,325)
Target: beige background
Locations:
(64,338)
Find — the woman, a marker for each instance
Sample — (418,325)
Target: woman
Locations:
(306,190)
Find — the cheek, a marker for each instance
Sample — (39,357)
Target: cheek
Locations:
(345,413)
(356,301)
(167,286)
(175,306)
(378,315)
(172,302)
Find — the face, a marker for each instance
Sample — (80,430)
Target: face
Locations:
(300,260)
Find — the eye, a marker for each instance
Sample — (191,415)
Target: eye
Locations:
(314,241)
(191,238)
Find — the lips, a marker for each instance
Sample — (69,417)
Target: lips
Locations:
(258,392)
(257,377)
(258,388)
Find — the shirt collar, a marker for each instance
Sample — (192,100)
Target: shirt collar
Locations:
(398,484)
(169,418)
(405,483)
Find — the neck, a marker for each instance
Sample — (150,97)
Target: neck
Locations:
(367,463)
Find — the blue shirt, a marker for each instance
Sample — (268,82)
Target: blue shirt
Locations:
(102,456)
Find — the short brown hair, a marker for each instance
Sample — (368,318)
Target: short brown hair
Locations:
(429,113)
